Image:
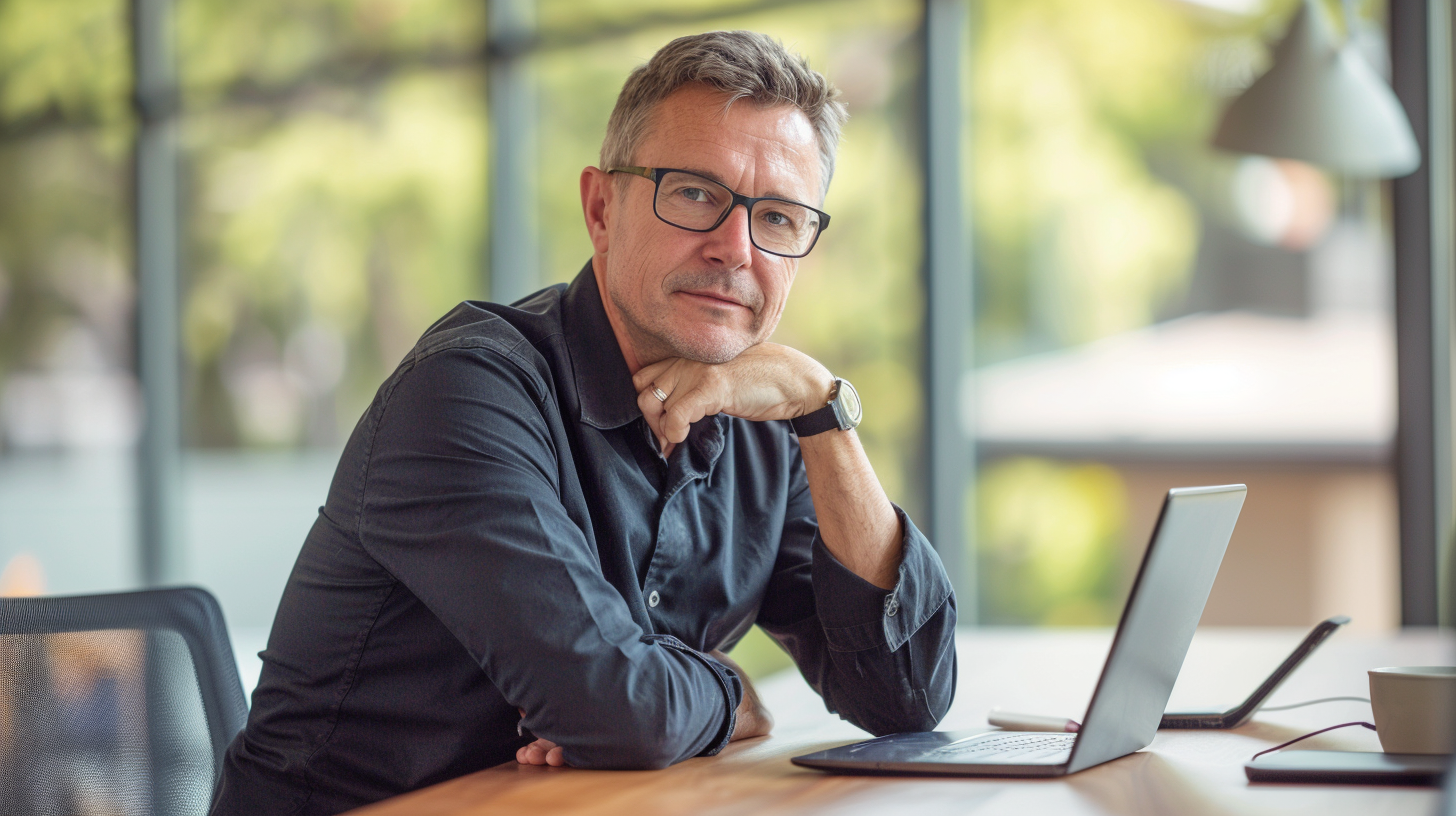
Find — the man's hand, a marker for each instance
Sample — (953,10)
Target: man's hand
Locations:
(541,752)
(768,381)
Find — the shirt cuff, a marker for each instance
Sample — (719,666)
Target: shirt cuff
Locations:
(728,680)
(858,615)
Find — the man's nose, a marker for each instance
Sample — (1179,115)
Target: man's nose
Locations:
(729,244)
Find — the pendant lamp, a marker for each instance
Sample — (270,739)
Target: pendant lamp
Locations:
(1322,103)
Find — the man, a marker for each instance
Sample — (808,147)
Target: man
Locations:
(557,514)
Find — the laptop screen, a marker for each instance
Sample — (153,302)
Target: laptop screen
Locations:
(1157,625)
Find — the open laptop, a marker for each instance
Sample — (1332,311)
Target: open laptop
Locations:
(1162,610)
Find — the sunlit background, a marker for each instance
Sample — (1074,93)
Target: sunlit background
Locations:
(1148,312)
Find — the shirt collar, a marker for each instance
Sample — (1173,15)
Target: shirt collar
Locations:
(604,388)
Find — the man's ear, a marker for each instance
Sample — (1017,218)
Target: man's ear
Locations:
(598,196)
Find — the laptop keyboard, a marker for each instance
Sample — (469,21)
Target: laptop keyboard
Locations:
(1009,747)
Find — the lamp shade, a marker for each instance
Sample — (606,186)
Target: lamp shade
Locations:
(1324,104)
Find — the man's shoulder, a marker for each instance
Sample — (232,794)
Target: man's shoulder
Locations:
(477,323)
(512,330)
(491,340)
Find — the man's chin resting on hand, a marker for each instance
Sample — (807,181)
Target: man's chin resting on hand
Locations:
(557,515)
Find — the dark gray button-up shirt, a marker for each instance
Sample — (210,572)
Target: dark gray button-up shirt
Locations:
(502,533)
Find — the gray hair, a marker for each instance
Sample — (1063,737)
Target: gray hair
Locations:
(741,64)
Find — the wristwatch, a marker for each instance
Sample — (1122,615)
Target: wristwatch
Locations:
(843,411)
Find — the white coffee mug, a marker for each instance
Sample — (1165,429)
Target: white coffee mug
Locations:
(1415,708)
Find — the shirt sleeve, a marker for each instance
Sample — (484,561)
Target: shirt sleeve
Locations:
(462,504)
(882,659)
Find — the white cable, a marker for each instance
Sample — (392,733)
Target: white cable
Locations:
(1312,702)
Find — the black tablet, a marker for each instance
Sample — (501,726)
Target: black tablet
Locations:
(1348,768)
(1243,712)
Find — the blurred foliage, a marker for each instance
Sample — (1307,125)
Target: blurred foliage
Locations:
(337,158)
(359,222)
(1088,126)
(64,61)
(1051,543)
(65,130)
(271,52)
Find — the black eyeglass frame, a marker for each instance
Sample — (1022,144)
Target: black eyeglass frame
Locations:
(656,174)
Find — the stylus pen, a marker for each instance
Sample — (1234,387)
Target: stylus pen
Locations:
(1030,722)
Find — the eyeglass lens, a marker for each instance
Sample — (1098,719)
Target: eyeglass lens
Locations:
(696,203)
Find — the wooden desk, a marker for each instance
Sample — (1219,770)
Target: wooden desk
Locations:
(1038,671)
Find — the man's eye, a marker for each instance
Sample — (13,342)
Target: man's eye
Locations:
(696,195)
(774,218)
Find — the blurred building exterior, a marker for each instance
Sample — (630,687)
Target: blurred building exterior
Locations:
(1148,311)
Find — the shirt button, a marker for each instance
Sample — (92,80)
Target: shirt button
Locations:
(892,605)
(654,599)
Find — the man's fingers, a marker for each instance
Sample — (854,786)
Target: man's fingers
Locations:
(645,376)
(680,412)
(661,376)
(677,381)
(693,391)
(541,752)
(695,396)
(651,407)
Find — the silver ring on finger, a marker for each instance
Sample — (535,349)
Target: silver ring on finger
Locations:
(657,392)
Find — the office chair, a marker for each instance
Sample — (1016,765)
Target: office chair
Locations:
(119,704)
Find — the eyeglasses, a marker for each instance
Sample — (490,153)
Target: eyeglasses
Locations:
(699,204)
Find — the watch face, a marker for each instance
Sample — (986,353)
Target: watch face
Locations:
(848,400)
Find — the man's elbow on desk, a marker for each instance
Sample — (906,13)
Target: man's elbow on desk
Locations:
(647,716)
(643,753)
(920,708)
(632,745)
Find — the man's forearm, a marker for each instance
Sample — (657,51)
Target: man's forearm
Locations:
(856,520)
(770,381)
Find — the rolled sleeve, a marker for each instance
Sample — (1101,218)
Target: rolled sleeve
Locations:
(857,615)
(728,680)
(882,659)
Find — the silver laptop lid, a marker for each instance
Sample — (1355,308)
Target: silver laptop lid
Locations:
(1162,610)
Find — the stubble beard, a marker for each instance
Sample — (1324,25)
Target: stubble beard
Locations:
(657,339)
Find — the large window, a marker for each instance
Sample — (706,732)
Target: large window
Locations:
(334,207)
(69,405)
(335,169)
(1153,312)
(1147,311)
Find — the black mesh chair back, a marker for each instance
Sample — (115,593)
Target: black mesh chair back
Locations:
(115,704)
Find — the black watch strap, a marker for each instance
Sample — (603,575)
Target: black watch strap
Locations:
(816,422)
